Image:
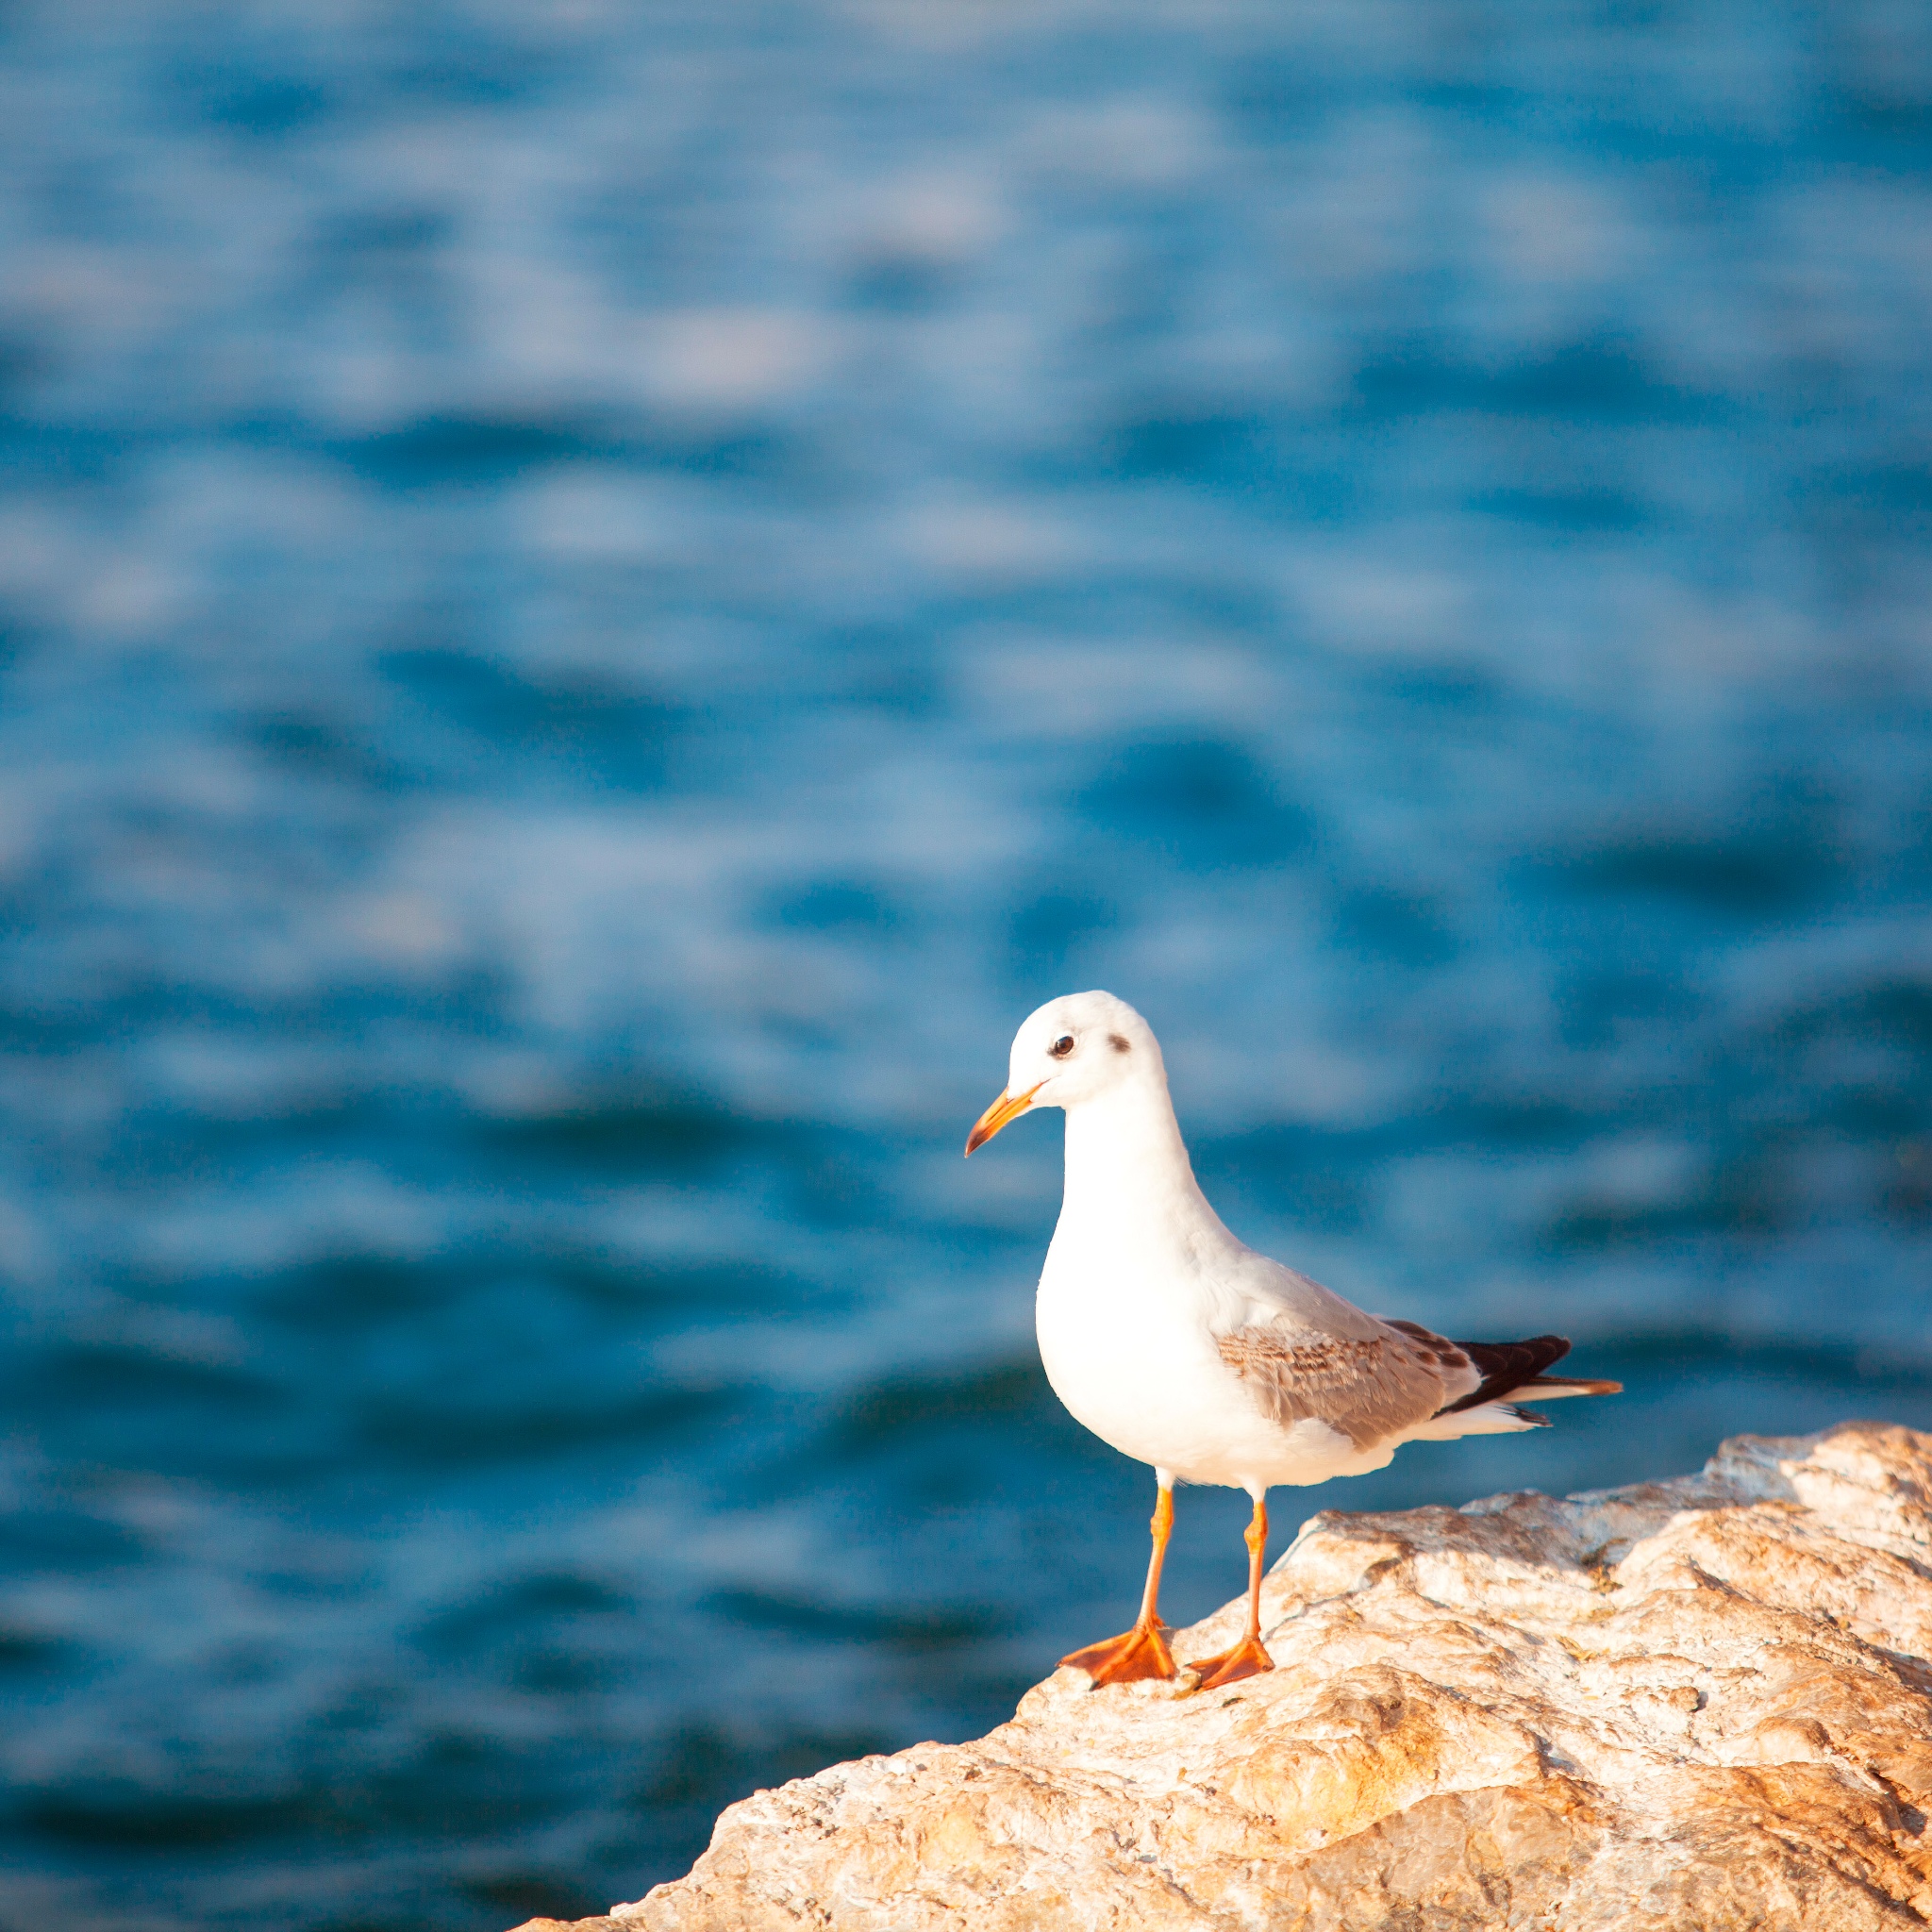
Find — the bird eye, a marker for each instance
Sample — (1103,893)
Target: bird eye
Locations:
(1062,1046)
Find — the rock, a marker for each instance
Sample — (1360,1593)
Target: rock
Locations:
(1703,1703)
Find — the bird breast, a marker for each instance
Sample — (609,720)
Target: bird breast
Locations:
(1126,1339)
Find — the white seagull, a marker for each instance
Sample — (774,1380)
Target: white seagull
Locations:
(1182,1347)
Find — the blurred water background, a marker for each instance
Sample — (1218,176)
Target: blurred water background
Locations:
(599,599)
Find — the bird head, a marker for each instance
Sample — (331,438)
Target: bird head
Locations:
(1071,1050)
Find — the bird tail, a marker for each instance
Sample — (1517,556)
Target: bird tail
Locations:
(1554,1388)
(1516,1368)
(1491,1419)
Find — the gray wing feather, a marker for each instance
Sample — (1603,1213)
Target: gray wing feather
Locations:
(1367,1386)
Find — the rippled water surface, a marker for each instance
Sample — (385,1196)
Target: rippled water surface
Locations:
(598,599)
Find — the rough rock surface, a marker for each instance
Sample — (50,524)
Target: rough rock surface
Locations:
(1703,1703)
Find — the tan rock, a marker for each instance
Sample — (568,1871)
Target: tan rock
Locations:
(1694,1703)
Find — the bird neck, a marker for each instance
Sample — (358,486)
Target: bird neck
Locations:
(1127,1163)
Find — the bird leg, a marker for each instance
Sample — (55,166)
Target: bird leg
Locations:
(1248,1657)
(1143,1651)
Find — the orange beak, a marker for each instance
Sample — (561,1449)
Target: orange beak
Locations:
(1008,1106)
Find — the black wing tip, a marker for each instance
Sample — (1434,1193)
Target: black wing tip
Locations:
(1508,1366)
(1550,1348)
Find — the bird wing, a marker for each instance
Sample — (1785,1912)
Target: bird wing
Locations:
(1367,1386)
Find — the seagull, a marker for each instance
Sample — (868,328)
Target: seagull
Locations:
(1182,1347)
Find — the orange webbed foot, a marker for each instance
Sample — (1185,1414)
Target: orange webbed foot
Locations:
(1140,1652)
(1248,1659)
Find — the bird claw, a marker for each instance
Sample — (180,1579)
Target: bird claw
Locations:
(1139,1653)
(1248,1659)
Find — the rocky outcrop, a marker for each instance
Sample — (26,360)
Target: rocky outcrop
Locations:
(1703,1703)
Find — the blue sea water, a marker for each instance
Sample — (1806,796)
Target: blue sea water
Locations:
(598,599)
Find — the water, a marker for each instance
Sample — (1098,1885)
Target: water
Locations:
(600,599)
